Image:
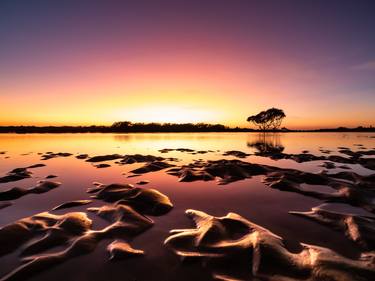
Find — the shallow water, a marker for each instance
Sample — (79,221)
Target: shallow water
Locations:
(249,198)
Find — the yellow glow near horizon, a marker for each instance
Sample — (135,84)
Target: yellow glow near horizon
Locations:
(168,114)
(179,93)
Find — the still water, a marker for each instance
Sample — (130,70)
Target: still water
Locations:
(249,198)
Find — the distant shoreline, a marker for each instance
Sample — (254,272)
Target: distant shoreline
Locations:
(110,129)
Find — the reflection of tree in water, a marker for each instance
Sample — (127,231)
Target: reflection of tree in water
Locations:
(266,144)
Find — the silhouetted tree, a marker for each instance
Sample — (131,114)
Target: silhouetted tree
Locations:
(269,119)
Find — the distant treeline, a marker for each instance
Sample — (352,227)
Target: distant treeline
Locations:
(129,127)
(123,127)
(344,129)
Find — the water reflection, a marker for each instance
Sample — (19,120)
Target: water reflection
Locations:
(267,206)
(266,144)
(170,136)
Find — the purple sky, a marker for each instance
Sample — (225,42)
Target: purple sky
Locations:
(92,62)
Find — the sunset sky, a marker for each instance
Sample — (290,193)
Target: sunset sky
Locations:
(96,62)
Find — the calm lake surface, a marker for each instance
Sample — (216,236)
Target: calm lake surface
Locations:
(250,197)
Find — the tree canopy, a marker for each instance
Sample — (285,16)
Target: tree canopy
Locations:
(269,119)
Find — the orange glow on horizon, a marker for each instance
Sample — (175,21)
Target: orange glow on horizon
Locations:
(200,86)
(185,62)
(178,103)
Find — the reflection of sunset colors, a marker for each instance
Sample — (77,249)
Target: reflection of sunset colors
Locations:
(185,61)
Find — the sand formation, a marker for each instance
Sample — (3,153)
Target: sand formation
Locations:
(347,186)
(221,242)
(153,163)
(72,204)
(49,155)
(276,153)
(145,200)
(126,218)
(5,204)
(17,192)
(143,182)
(354,157)
(185,150)
(166,150)
(227,244)
(236,153)
(119,250)
(19,173)
(82,156)
(102,165)
(360,229)
(125,159)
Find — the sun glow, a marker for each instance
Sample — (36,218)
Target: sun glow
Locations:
(169,114)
